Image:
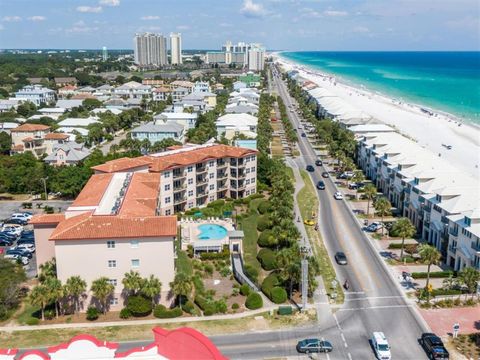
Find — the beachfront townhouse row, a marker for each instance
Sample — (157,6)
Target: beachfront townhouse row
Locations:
(123,219)
(442,201)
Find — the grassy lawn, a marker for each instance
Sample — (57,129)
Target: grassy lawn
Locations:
(308,203)
(183,263)
(34,338)
(25,316)
(467,346)
(249,227)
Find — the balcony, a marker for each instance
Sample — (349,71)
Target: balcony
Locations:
(444,220)
(178,174)
(181,187)
(427,209)
(200,169)
(222,186)
(452,249)
(221,165)
(202,181)
(476,247)
(453,231)
(201,194)
(222,175)
(179,200)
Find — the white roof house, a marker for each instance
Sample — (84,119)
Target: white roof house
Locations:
(186,119)
(78,122)
(72,130)
(68,103)
(133,89)
(230,125)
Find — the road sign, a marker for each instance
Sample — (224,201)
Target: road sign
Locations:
(456,328)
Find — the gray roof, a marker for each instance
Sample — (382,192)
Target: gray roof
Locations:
(150,127)
(68,103)
(241,109)
(115,102)
(235,233)
(75,152)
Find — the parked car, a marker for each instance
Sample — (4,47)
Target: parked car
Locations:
(18,221)
(304,135)
(21,215)
(23,260)
(338,195)
(310,168)
(25,241)
(19,252)
(26,247)
(341,258)
(433,346)
(321,185)
(13,228)
(8,235)
(380,346)
(374,226)
(314,346)
(5,242)
(309,222)
(318,162)
(346,175)
(325,174)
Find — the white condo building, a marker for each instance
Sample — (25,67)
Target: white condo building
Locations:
(176,48)
(150,49)
(256,58)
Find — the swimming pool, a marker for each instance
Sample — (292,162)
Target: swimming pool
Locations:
(211,232)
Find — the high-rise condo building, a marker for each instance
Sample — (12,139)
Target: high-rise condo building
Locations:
(150,49)
(104,53)
(176,48)
(256,58)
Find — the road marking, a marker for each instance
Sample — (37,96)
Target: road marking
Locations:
(374,298)
(336,321)
(375,307)
(349,356)
(343,337)
(354,292)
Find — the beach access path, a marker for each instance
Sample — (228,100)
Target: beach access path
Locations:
(429,131)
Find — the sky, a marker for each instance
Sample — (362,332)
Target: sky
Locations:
(278,24)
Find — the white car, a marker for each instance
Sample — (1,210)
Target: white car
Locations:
(338,195)
(13,229)
(380,346)
(15,257)
(27,247)
(23,216)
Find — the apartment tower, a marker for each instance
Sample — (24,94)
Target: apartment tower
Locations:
(150,49)
(176,48)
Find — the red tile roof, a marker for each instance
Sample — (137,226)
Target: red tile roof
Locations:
(47,219)
(30,127)
(18,147)
(122,164)
(142,194)
(93,190)
(56,136)
(28,139)
(91,227)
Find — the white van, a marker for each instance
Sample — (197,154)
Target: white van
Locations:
(380,346)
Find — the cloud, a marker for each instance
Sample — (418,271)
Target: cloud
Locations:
(183,27)
(361,29)
(11,18)
(89,9)
(150,17)
(110,2)
(37,18)
(310,13)
(335,13)
(250,9)
(224,24)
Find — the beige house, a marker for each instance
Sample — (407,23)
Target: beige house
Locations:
(30,137)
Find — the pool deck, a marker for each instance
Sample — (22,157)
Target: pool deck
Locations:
(190,231)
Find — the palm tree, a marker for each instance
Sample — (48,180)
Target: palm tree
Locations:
(370,191)
(404,228)
(151,287)
(182,285)
(288,262)
(75,287)
(102,289)
(40,296)
(430,255)
(132,282)
(470,277)
(382,207)
(48,269)
(55,290)
(356,178)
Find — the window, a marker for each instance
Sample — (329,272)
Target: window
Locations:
(253,180)
(247,192)
(247,171)
(190,193)
(167,187)
(166,174)
(212,187)
(134,244)
(113,282)
(247,182)
(168,212)
(211,176)
(252,169)
(167,200)
(112,263)
(111,244)
(135,263)
(212,198)
(211,163)
(190,181)
(114,301)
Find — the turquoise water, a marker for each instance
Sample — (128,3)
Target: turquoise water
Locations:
(446,81)
(211,232)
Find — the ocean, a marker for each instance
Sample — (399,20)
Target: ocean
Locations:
(445,81)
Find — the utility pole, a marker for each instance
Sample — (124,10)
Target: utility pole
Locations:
(304,262)
(45,186)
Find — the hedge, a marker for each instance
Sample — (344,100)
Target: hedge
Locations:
(245,290)
(162,312)
(440,292)
(251,272)
(125,313)
(210,307)
(92,313)
(434,274)
(266,257)
(263,223)
(266,239)
(254,301)
(224,254)
(139,306)
(264,207)
(188,307)
(279,295)
(269,283)
(395,246)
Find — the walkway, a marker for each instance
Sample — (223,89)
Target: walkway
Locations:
(242,278)
(441,320)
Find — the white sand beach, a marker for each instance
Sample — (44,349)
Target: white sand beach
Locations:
(430,131)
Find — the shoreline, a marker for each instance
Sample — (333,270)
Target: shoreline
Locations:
(430,128)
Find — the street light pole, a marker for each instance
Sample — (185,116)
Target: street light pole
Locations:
(45,186)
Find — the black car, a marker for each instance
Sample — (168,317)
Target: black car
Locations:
(4,235)
(321,185)
(16,221)
(433,346)
(26,241)
(19,252)
(310,168)
(325,174)
(318,162)
(304,135)
(341,258)
(314,346)
(5,242)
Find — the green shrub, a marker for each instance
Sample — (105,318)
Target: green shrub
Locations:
(33,321)
(257,195)
(266,257)
(139,306)
(263,223)
(188,307)
(206,305)
(224,254)
(278,295)
(225,271)
(246,201)
(254,301)
(395,245)
(434,274)
(216,204)
(266,239)
(92,313)
(221,306)
(251,272)
(235,291)
(162,312)
(264,207)
(125,313)
(208,268)
(235,306)
(198,283)
(245,290)
(269,283)
(49,314)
